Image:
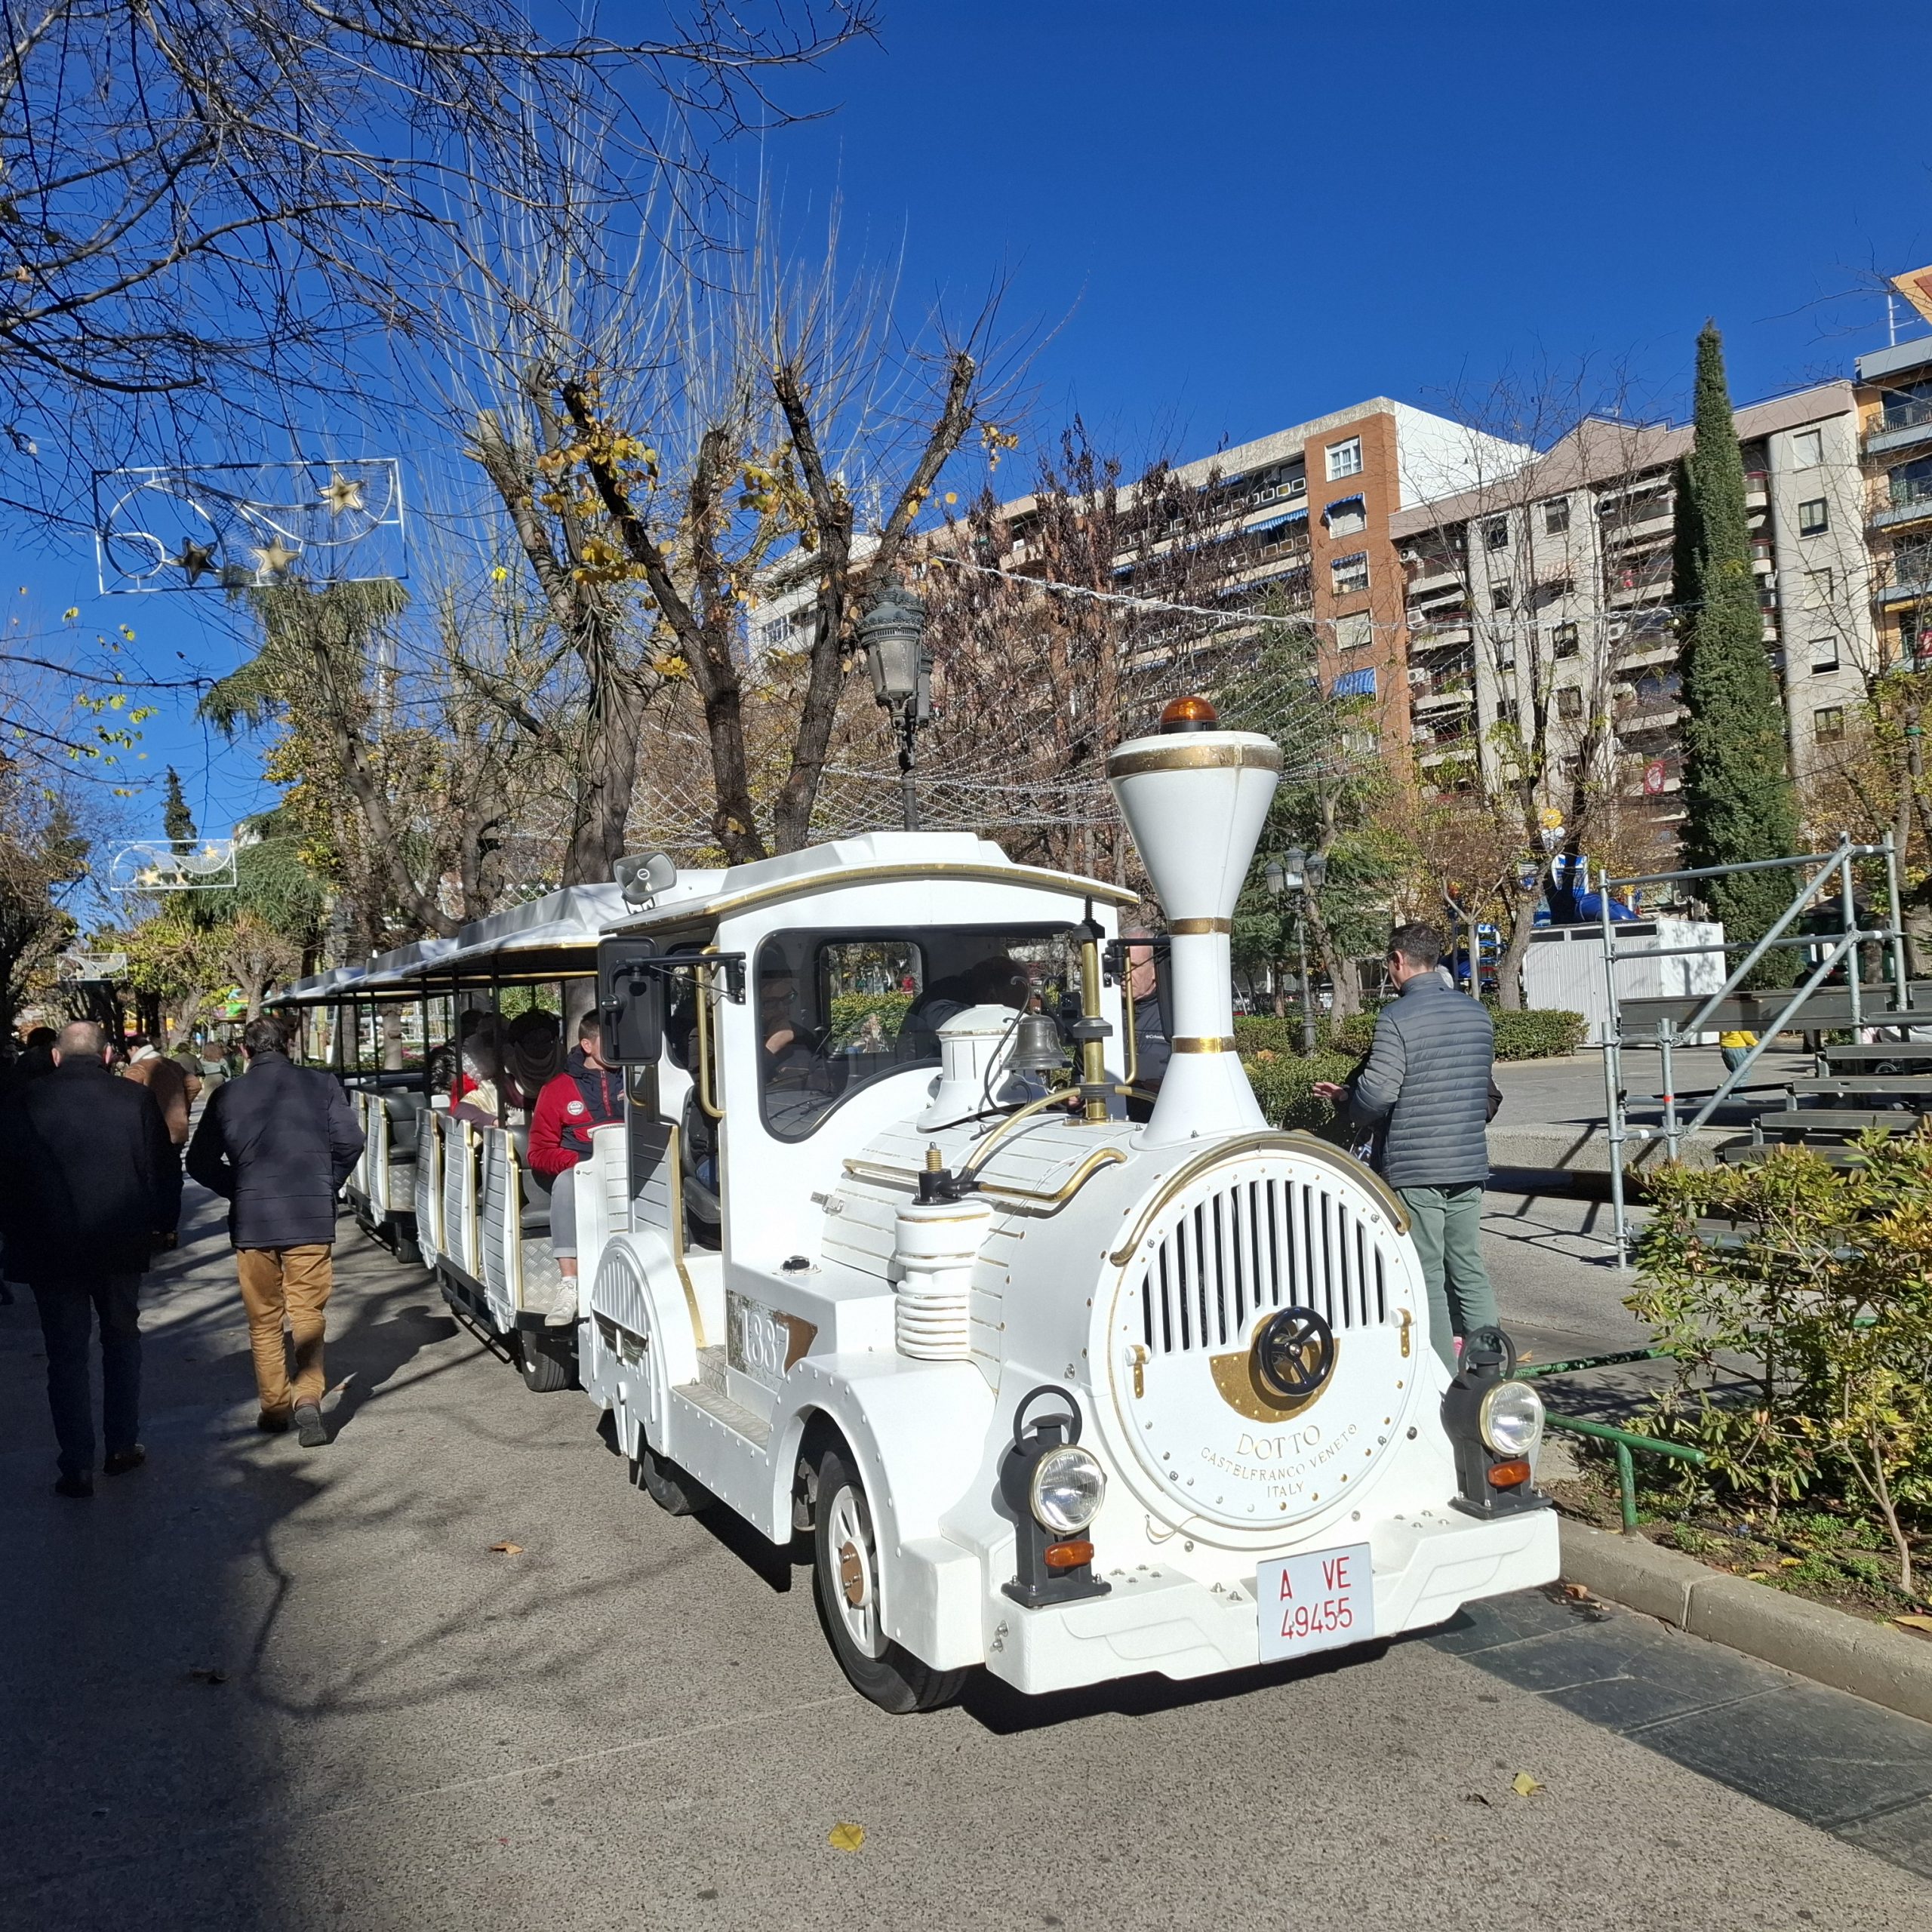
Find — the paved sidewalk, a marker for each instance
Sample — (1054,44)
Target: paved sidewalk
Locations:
(253,1687)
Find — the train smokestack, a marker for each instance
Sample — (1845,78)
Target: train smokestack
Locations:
(1195,798)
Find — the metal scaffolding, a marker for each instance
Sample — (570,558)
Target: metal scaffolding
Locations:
(1883,1003)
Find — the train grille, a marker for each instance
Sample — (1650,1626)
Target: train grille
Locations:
(1261,1244)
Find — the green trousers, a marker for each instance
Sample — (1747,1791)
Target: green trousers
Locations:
(1447,1223)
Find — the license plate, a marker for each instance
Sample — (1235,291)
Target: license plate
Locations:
(1315,1601)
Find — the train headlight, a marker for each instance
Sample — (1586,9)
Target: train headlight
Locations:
(1053,1489)
(1511,1419)
(1494,1423)
(1067,1490)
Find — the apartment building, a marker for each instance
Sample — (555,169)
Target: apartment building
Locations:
(1305,517)
(1894,396)
(1544,596)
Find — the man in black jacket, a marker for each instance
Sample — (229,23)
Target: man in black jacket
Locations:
(277,1144)
(88,1180)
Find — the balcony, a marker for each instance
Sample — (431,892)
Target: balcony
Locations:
(1910,574)
(1633,583)
(1763,563)
(1442,705)
(1757,490)
(1433,576)
(1904,425)
(1440,637)
(1902,499)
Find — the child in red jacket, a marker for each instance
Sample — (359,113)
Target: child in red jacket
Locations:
(586,1094)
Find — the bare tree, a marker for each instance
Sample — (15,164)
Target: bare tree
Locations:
(205,198)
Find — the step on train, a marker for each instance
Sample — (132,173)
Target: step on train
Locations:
(883,1253)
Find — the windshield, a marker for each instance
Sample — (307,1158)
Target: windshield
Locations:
(838,1011)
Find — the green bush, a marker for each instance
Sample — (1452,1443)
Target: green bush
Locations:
(1804,1335)
(1518,1036)
(1282,1084)
(850,1012)
(1262,1032)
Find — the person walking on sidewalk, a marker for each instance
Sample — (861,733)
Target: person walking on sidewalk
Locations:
(1425,1088)
(276,1144)
(89,1184)
(587,1093)
(173,1089)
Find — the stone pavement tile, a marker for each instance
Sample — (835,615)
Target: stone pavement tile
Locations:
(1904,1837)
(1821,1755)
(1498,1620)
(1626,1672)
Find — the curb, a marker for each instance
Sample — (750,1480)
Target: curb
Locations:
(1883,1665)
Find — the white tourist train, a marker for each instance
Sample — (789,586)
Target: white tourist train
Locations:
(1055,1392)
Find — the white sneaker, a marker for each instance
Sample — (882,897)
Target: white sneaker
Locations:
(563,1310)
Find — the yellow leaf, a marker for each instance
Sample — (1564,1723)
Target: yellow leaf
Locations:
(1789,1562)
(1911,1620)
(1523,1786)
(846,1837)
(506,1549)
(498,575)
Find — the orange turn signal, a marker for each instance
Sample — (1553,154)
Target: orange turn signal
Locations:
(1189,714)
(1507,1475)
(1069,1555)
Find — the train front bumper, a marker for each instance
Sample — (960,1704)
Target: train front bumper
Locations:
(1161,1619)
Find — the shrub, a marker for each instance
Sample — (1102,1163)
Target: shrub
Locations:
(1282,1084)
(1821,1301)
(850,1011)
(1518,1036)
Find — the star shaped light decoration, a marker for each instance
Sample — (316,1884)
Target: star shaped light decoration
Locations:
(274,557)
(341,493)
(196,559)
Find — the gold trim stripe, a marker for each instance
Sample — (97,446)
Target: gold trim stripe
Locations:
(1201,1043)
(1221,754)
(1190,928)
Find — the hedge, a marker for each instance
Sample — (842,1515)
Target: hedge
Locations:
(1282,1084)
(1518,1036)
(850,1012)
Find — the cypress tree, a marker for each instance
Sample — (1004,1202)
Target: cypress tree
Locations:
(1737,782)
(177,821)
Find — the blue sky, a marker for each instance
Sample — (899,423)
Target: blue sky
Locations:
(1224,219)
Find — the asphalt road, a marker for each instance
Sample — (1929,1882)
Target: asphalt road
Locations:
(253,1686)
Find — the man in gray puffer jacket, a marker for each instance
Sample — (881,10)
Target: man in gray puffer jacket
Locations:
(1425,1089)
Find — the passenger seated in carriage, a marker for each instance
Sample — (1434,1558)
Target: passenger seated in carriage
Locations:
(586,1094)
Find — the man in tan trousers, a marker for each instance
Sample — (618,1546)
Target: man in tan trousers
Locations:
(277,1144)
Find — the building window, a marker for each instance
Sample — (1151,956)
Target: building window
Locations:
(1824,654)
(1556,516)
(1505,654)
(1564,641)
(1499,597)
(1349,573)
(1811,518)
(1821,586)
(1570,702)
(1347,518)
(1808,449)
(1828,721)
(1352,632)
(1496,535)
(1345,459)
(1505,711)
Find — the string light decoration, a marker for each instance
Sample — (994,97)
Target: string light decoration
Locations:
(249,526)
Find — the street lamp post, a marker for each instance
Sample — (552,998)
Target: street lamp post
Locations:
(1296,873)
(893,632)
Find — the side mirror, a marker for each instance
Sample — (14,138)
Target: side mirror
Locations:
(642,876)
(630,1001)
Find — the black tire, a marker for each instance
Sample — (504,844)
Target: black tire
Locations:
(672,1487)
(544,1365)
(845,1557)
